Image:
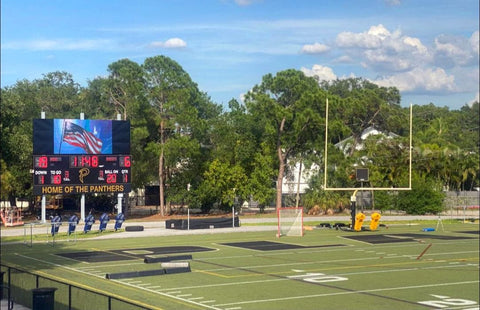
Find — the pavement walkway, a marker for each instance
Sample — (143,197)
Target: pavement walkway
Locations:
(158,228)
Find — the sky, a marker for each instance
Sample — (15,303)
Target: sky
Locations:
(428,49)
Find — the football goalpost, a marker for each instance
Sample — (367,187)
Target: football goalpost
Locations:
(290,221)
(356,189)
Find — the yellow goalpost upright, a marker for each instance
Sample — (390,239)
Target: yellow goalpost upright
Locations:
(355,189)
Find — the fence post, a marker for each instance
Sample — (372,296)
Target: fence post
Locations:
(1,283)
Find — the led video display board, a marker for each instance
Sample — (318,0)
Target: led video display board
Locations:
(72,156)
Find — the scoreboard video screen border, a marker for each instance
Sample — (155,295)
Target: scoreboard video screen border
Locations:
(44,142)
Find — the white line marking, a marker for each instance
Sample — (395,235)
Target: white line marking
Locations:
(326,261)
(60,266)
(125,283)
(187,300)
(347,293)
(341,274)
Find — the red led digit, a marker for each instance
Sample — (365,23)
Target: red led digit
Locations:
(42,162)
(94,161)
(57,179)
(85,161)
(111,178)
(125,161)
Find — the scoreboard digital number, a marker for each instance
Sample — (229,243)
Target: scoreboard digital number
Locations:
(81,174)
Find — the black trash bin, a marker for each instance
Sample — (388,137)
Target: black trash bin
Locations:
(43,298)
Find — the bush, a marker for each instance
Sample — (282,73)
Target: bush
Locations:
(425,197)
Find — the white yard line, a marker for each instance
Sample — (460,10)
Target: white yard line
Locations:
(347,293)
(339,274)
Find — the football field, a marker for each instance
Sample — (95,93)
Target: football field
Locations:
(399,267)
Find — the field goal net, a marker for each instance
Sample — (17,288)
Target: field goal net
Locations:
(290,221)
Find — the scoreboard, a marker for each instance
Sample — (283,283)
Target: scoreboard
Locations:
(81,174)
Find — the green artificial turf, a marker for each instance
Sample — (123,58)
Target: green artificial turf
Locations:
(420,273)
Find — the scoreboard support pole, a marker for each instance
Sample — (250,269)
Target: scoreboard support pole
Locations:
(44,198)
(82,207)
(119,203)
(82,199)
(44,209)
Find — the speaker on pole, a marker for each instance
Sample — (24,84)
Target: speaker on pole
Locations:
(362,174)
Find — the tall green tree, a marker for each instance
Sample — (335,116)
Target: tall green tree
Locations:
(289,106)
(124,87)
(181,111)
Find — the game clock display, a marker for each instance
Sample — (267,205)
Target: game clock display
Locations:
(79,174)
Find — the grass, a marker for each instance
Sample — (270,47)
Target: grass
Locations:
(418,274)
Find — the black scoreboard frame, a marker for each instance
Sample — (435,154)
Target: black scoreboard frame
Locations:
(81,172)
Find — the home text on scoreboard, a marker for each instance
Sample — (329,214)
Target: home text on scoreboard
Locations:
(81,174)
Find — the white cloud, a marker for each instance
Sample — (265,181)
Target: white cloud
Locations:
(453,51)
(476,99)
(323,73)
(245,2)
(60,45)
(370,39)
(393,2)
(384,50)
(315,48)
(344,59)
(474,42)
(431,80)
(170,43)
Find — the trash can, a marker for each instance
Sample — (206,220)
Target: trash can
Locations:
(43,298)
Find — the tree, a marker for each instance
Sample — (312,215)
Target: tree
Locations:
(124,86)
(56,94)
(223,184)
(181,112)
(364,104)
(289,106)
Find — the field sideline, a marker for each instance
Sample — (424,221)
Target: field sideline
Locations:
(399,267)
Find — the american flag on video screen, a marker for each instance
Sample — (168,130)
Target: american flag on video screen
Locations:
(77,136)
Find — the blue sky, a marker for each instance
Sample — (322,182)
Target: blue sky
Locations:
(427,49)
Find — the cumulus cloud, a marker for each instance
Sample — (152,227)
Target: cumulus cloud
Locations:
(419,79)
(170,43)
(323,73)
(384,50)
(456,50)
(370,39)
(316,48)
